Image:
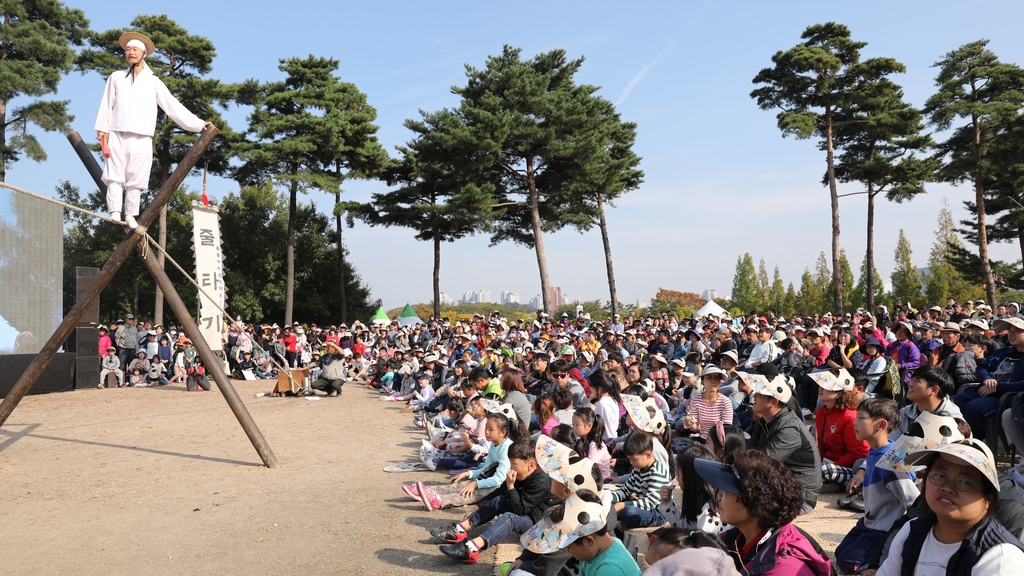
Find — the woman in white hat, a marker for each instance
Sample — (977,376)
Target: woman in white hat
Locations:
(126,123)
(707,407)
(960,535)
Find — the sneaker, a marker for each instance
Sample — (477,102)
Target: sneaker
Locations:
(431,464)
(453,533)
(410,490)
(430,498)
(132,223)
(115,216)
(418,422)
(854,501)
(464,552)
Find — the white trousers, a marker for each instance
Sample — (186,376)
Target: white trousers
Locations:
(131,159)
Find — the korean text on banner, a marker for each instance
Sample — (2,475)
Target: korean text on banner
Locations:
(209,273)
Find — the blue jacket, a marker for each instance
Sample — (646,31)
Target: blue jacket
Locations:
(1016,381)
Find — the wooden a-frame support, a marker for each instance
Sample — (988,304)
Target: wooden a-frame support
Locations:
(133,242)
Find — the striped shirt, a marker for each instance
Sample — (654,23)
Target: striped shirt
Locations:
(646,485)
(708,416)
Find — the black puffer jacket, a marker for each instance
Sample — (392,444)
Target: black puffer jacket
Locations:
(962,368)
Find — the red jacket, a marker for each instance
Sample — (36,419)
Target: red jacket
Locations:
(837,440)
(291,342)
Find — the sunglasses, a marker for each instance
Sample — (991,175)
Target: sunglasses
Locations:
(559,374)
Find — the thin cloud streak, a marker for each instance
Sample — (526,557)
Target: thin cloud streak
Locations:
(661,56)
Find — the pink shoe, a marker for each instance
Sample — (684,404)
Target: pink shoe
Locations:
(412,492)
(430,498)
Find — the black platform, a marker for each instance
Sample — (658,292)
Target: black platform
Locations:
(58,376)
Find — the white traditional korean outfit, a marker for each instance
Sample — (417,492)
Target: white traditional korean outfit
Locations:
(128,115)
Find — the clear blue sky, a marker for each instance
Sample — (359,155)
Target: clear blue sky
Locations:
(720,179)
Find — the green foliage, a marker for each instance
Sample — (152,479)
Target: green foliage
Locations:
(254,267)
(985,96)
(37,40)
(906,282)
(547,144)
(808,299)
(846,273)
(823,285)
(592,307)
(791,301)
(763,288)
(859,293)
(943,280)
(777,295)
(183,62)
(310,130)
(744,285)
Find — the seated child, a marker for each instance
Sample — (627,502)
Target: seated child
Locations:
(520,502)
(544,408)
(589,430)
(137,378)
(579,526)
(111,365)
(157,370)
(675,551)
(636,502)
(422,397)
(887,494)
(500,431)
(562,399)
(408,389)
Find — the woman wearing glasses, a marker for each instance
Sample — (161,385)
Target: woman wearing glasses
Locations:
(960,535)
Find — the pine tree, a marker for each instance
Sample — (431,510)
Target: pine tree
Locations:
(37,40)
(814,85)
(744,284)
(986,96)
(310,130)
(906,282)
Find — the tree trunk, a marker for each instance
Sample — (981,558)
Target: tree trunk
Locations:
(341,262)
(165,172)
(979,199)
(1020,241)
(3,139)
(538,238)
(289,283)
(437,274)
(837,275)
(608,256)
(869,256)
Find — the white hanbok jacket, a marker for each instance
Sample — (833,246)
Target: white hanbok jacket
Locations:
(130,106)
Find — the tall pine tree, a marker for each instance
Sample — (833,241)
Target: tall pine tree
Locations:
(906,282)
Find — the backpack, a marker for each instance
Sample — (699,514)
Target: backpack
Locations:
(890,385)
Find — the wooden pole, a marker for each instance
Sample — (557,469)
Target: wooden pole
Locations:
(121,253)
(210,360)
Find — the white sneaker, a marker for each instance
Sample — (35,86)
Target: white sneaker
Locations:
(430,463)
(116,216)
(132,223)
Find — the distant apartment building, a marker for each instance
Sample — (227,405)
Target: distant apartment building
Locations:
(537,302)
(446,299)
(510,298)
(556,296)
(709,294)
(477,297)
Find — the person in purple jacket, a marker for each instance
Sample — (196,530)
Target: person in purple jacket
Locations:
(903,351)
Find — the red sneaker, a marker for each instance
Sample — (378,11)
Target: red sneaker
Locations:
(430,498)
(464,552)
(452,533)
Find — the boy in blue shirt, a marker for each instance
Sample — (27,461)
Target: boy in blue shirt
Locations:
(887,494)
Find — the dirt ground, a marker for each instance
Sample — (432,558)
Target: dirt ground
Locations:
(161,481)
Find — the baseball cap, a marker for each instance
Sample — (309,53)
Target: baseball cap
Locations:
(129,317)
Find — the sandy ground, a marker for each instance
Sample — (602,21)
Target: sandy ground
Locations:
(161,481)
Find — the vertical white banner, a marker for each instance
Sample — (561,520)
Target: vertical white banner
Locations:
(209,273)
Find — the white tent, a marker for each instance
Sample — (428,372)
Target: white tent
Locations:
(711,307)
